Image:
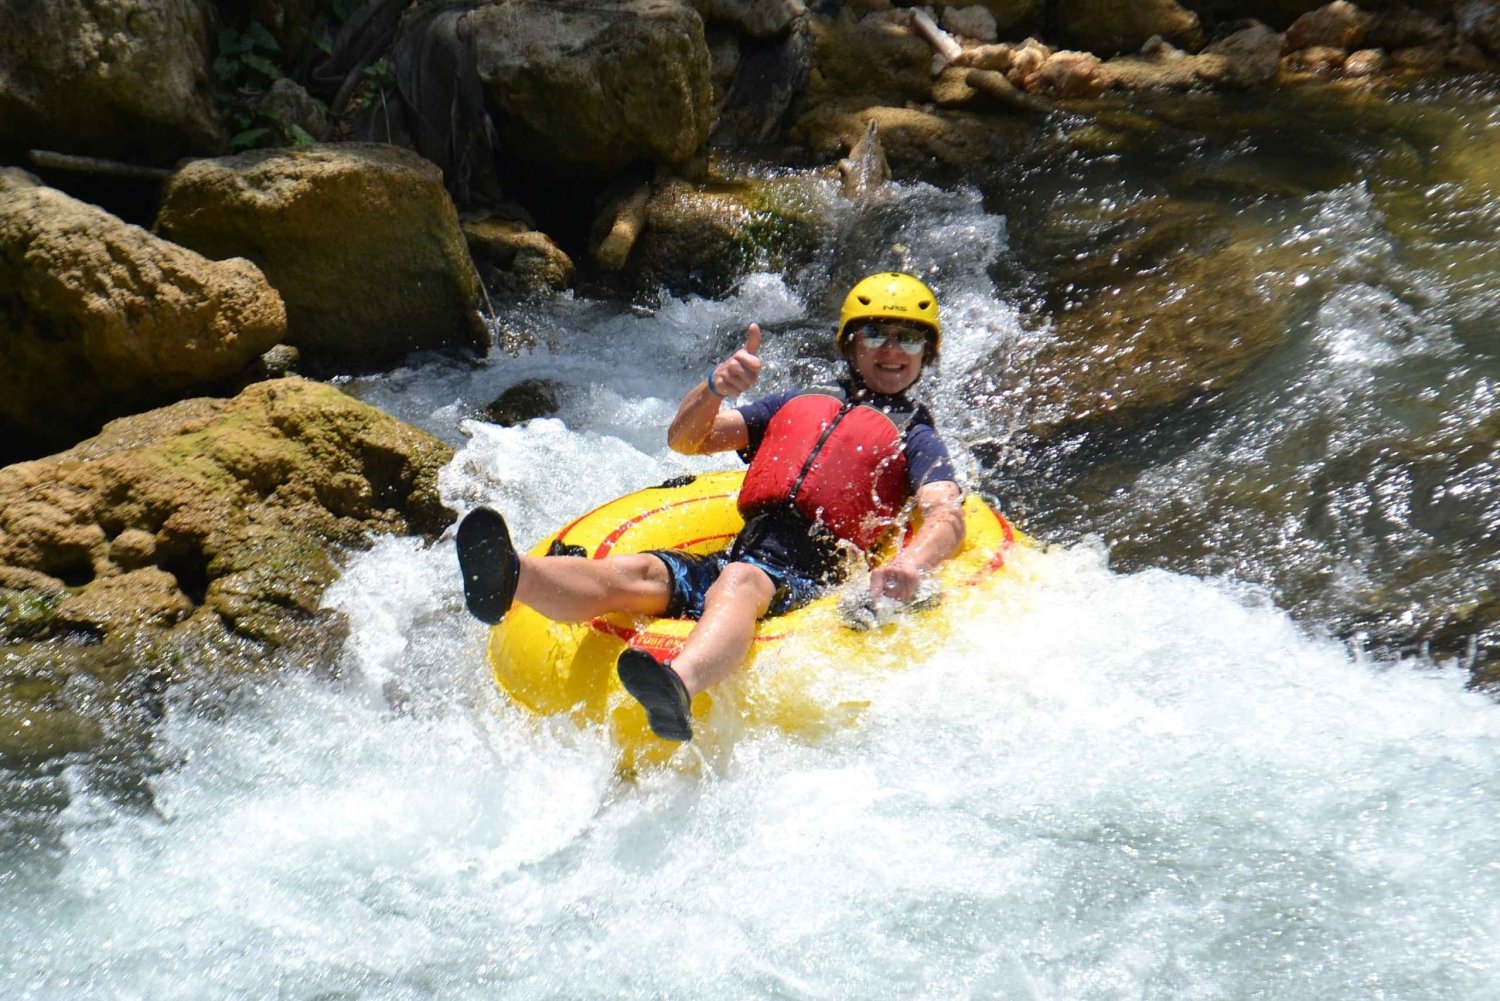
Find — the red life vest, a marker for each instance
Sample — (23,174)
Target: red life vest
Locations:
(837,463)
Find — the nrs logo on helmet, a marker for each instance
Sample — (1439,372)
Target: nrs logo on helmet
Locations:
(888,294)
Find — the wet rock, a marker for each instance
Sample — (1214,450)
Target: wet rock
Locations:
(1316,60)
(865,169)
(32,732)
(517,261)
(703,238)
(1107,28)
(1169,310)
(117,79)
(200,537)
(1072,75)
(917,143)
(593,88)
(723,62)
(987,91)
(361,240)
(1338,25)
(756,18)
(1247,58)
(1163,68)
(103,319)
(525,401)
(1365,62)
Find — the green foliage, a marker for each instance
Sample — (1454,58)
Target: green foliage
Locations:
(244,57)
(248,63)
(26,614)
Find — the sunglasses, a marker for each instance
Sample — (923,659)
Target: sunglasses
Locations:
(912,340)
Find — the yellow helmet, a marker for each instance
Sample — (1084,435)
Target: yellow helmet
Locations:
(890,295)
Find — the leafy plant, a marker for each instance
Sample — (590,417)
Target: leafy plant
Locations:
(246,67)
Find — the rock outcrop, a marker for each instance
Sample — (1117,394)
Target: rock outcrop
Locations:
(124,79)
(360,239)
(592,88)
(102,319)
(195,538)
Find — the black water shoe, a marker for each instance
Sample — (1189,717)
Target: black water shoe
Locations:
(657,687)
(489,563)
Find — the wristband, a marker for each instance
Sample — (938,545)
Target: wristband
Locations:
(710,380)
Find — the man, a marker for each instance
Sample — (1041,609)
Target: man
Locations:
(829,468)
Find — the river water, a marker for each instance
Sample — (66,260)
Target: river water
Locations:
(1121,781)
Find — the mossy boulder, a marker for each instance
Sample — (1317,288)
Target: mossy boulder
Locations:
(201,536)
(110,78)
(102,319)
(361,240)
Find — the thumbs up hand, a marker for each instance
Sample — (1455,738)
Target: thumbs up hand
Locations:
(737,373)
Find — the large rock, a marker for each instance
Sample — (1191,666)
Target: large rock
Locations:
(591,87)
(1108,27)
(360,239)
(126,79)
(101,319)
(195,538)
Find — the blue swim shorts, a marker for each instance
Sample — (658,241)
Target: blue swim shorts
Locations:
(694,573)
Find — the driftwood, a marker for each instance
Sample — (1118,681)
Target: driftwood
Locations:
(942,42)
(49,160)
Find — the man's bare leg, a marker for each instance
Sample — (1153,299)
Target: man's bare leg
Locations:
(575,589)
(714,650)
(717,646)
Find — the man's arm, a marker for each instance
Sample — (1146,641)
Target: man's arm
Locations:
(702,426)
(941,535)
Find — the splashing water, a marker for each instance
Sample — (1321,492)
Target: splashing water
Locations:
(1104,786)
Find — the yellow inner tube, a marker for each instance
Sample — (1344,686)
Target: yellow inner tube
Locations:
(552,667)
